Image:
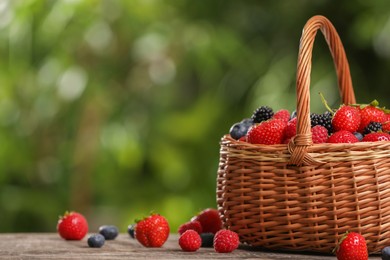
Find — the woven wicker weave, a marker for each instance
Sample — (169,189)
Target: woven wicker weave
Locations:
(305,196)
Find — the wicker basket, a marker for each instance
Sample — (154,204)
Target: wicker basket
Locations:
(305,196)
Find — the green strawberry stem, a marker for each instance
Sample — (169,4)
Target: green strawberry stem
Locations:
(326,103)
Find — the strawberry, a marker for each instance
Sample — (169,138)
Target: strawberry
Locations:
(386,127)
(342,136)
(72,226)
(319,134)
(152,231)
(267,132)
(346,118)
(193,225)
(226,241)
(282,114)
(210,220)
(378,136)
(291,129)
(190,241)
(352,246)
(371,113)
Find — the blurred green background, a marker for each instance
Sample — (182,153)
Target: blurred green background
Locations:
(116,108)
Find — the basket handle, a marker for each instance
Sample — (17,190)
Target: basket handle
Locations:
(299,144)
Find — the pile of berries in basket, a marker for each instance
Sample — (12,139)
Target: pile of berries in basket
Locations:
(347,124)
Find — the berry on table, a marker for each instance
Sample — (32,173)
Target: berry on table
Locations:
(342,136)
(72,226)
(262,113)
(352,246)
(226,241)
(152,231)
(268,132)
(130,230)
(210,220)
(346,118)
(240,129)
(190,241)
(386,253)
(109,232)
(193,225)
(207,239)
(96,240)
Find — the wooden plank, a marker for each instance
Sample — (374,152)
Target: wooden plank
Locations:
(51,246)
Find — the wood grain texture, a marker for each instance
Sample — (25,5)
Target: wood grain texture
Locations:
(51,246)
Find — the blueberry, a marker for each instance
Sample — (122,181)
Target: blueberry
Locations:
(109,232)
(240,129)
(207,239)
(358,135)
(130,230)
(293,114)
(386,253)
(96,240)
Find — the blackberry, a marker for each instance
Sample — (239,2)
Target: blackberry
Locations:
(109,232)
(372,127)
(324,119)
(207,239)
(262,113)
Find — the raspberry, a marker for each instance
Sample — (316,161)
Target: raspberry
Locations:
(346,118)
(372,127)
(342,136)
(190,241)
(209,220)
(262,113)
(374,137)
(282,114)
(268,132)
(226,241)
(193,225)
(319,134)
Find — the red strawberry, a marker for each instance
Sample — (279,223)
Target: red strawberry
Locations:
(346,118)
(378,136)
(72,226)
(267,132)
(282,114)
(319,134)
(291,129)
(342,137)
(190,241)
(226,241)
(210,220)
(193,225)
(152,231)
(386,127)
(352,246)
(371,113)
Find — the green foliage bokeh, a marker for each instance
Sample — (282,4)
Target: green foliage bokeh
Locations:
(116,108)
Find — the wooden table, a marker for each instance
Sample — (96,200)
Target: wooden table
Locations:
(51,246)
